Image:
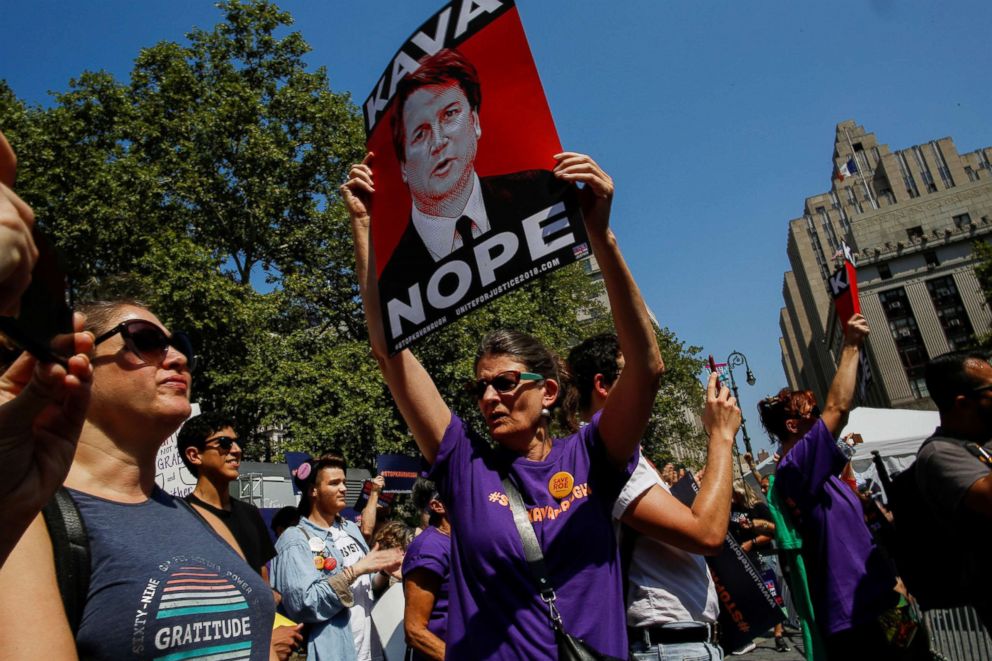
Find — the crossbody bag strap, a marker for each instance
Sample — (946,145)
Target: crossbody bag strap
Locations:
(980,453)
(532,551)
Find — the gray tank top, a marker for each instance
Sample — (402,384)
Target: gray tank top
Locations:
(164,585)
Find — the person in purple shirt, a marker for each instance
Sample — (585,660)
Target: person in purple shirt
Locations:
(426,577)
(568,485)
(851,582)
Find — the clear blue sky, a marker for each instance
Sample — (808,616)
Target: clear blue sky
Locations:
(716,119)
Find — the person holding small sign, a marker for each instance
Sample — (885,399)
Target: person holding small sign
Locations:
(567,486)
(851,582)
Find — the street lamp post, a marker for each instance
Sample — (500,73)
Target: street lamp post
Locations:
(736,359)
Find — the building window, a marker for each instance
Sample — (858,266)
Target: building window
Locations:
(972,176)
(931,258)
(814,239)
(828,228)
(907,176)
(950,310)
(908,341)
(884,272)
(962,220)
(924,171)
(945,173)
(844,220)
(852,199)
(914,233)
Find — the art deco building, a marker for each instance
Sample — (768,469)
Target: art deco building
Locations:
(912,217)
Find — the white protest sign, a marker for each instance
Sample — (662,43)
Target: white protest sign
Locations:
(170,473)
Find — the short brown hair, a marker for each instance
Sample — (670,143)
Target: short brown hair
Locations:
(328,460)
(443,67)
(100,314)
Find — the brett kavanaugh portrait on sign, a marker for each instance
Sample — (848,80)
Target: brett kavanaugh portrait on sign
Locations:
(466,207)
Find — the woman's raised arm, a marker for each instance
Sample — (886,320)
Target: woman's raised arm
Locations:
(412,388)
(628,408)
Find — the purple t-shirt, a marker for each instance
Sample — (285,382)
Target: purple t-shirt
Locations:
(495,611)
(431,550)
(850,580)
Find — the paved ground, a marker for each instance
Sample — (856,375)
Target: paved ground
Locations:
(766,651)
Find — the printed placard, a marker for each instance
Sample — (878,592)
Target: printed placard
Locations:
(171,474)
(466,208)
(399,472)
(747,607)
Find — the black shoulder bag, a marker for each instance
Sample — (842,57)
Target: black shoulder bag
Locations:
(570,648)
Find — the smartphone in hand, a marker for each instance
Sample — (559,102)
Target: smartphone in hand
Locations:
(43,327)
(713,370)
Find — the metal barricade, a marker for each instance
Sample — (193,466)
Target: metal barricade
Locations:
(956,634)
(251,489)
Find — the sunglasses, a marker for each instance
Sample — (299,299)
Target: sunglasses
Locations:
(150,343)
(502,383)
(224,443)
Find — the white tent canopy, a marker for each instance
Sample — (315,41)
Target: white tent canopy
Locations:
(894,433)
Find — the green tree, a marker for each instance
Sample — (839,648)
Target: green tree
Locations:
(206,185)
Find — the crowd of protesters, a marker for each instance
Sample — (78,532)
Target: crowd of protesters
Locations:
(531,547)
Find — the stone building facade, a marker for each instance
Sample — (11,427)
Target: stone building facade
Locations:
(911,217)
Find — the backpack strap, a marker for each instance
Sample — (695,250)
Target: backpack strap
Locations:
(71,548)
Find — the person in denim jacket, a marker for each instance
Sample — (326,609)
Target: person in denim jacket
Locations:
(335,598)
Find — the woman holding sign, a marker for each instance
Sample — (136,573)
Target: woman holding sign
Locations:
(567,486)
(852,585)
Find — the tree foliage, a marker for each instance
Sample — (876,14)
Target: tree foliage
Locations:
(206,185)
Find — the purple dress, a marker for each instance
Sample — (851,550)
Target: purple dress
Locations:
(431,551)
(495,611)
(850,580)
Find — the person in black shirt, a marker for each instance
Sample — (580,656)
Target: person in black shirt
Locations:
(210,450)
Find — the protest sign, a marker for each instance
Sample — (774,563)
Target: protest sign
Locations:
(171,475)
(387,616)
(385,499)
(293,461)
(843,285)
(466,208)
(399,471)
(747,607)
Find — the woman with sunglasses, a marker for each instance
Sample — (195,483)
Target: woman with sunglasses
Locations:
(568,485)
(851,582)
(163,581)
